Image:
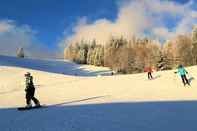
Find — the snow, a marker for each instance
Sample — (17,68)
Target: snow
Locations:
(89,103)
(61,67)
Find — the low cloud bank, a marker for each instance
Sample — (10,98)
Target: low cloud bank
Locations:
(157,19)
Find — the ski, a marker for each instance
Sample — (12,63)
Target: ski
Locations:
(30,108)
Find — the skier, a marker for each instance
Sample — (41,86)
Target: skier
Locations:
(149,70)
(182,72)
(30,90)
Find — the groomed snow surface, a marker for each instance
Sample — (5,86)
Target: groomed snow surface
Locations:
(87,98)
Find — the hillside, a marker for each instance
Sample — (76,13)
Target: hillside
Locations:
(98,102)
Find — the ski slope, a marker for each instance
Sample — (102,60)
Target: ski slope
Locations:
(86,98)
(54,66)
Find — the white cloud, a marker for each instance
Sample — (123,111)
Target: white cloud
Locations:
(5,26)
(137,17)
(163,33)
(194,14)
(13,37)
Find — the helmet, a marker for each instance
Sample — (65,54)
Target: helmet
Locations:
(27,74)
(180,66)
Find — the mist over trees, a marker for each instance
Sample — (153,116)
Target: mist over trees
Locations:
(132,56)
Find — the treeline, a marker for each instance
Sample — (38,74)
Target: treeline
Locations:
(85,53)
(132,56)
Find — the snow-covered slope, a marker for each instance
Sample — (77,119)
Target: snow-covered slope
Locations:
(104,103)
(61,67)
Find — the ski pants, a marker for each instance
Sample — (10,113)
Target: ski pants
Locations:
(150,75)
(185,80)
(30,96)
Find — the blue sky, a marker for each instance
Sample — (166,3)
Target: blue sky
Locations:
(50,18)
(51,22)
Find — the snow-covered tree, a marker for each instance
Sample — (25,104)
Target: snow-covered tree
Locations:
(194,45)
(20,53)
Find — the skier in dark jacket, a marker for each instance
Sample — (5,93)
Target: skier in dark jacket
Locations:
(30,90)
(182,72)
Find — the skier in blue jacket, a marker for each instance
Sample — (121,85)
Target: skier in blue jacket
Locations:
(182,72)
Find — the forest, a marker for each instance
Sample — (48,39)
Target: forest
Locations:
(133,55)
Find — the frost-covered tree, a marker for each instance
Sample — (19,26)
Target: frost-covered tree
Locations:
(20,53)
(133,55)
(194,45)
(179,51)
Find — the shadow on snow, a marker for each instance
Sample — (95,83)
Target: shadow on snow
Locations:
(140,116)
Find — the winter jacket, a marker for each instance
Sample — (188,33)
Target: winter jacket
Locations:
(29,83)
(148,69)
(182,71)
